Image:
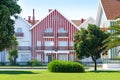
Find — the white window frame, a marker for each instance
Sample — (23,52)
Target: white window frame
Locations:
(62,30)
(49,30)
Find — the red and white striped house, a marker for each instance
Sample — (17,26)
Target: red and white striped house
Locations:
(52,38)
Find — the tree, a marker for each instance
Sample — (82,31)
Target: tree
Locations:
(13,51)
(114,39)
(88,43)
(8,8)
(13,43)
(13,55)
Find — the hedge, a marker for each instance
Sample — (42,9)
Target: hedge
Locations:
(65,66)
(34,63)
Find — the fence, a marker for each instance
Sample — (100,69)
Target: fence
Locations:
(86,64)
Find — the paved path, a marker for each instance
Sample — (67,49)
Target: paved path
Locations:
(45,68)
(23,68)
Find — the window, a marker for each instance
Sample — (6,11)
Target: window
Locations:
(38,43)
(62,30)
(71,43)
(63,57)
(25,57)
(55,18)
(19,30)
(49,30)
(49,43)
(62,43)
(38,57)
(24,43)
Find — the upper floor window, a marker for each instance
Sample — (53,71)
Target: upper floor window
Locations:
(19,30)
(38,43)
(62,43)
(49,30)
(71,43)
(62,30)
(49,43)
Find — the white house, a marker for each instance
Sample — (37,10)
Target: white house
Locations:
(108,11)
(23,34)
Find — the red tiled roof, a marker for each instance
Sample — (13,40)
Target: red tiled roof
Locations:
(111,8)
(31,22)
(78,22)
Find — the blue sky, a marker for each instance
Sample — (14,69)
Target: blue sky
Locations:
(72,9)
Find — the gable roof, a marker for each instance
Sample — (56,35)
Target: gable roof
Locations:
(111,8)
(25,21)
(49,14)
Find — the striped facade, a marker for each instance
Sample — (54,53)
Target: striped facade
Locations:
(49,34)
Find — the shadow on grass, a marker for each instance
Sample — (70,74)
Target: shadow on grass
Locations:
(17,72)
(105,71)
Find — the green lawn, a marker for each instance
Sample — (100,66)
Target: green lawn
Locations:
(45,75)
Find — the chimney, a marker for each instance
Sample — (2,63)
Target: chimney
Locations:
(33,21)
(82,20)
(49,10)
(29,18)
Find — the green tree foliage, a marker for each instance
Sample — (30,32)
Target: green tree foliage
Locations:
(114,39)
(88,43)
(8,8)
(13,51)
(13,43)
(13,55)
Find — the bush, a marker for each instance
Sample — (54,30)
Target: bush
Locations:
(34,63)
(2,64)
(65,66)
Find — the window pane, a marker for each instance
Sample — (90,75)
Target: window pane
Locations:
(38,43)
(19,30)
(62,30)
(49,43)
(49,30)
(62,43)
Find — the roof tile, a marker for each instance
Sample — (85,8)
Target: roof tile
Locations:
(111,8)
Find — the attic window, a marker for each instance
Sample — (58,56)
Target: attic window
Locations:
(19,30)
(55,18)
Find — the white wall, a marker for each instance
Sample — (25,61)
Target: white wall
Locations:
(26,39)
(88,21)
(21,23)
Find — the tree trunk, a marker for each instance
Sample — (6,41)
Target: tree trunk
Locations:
(95,67)
(95,64)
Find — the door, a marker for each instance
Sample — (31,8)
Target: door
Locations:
(49,58)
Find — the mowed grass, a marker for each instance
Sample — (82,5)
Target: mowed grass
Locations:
(46,75)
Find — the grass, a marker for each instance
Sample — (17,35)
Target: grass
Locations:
(46,75)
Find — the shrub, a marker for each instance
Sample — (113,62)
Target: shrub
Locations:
(34,63)
(65,66)
(2,64)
